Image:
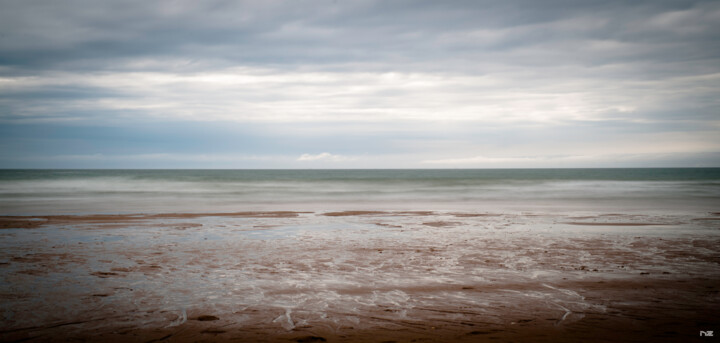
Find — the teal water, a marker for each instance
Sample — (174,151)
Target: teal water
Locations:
(132,191)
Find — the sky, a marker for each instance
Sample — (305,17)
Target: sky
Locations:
(359,84)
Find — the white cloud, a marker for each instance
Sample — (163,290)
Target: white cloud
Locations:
(505,160)
(325,156)
(271,95)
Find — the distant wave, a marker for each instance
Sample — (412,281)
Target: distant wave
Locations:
(192,190)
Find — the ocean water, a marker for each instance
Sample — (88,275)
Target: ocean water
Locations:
(480,190)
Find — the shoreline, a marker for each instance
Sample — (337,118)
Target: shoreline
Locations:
(25,221)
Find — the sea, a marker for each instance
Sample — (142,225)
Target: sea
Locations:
(656,190)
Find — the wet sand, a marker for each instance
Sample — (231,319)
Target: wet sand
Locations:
(361,276)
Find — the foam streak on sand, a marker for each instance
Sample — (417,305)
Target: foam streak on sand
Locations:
(359,276)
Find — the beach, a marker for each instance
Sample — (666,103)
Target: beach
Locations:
(366,276)
(340,260)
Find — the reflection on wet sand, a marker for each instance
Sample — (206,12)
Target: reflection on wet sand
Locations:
(359,276)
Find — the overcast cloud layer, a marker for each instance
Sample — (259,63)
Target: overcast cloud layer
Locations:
(359,84)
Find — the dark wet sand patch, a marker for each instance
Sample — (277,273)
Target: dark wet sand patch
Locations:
(119,220)
(183,225)
(355,213)
(440,224)
(583,217)
(34,272)
(471,215)
(13,222)
(619,215)
(378,213)
(612,224)
(104,274)
(389,225)
(273,214)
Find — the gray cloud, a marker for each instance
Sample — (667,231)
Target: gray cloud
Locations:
(43,34)
(464,75)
